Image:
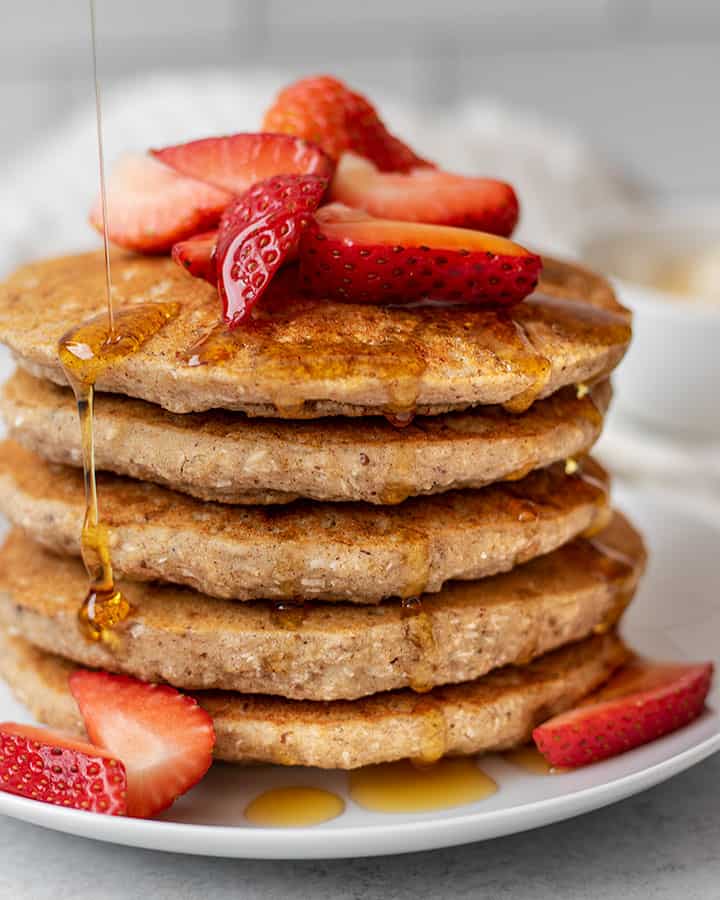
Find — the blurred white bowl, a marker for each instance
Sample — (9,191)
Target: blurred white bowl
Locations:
(670,378)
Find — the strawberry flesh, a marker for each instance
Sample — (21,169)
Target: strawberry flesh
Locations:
(324,110)
(258,234)
(641,703)
(197,255)
(47,766)
(426,195)
(349,255)
(162,736)
(236,162)
(151,207)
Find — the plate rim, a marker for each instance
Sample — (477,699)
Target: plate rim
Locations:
(382,840)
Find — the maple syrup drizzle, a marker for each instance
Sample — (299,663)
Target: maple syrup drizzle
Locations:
(290,614)
(101,169)
(294,807)
(401,787)
(433,734)
(397,361)
(420,634)
(529,758)
(213,346)
(536,366)
(85,353)
(400,420)
(400,376)
(589,473)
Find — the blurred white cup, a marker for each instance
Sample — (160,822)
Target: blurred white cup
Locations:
(666,268)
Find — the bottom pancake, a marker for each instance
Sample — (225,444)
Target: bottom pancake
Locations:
(496,712)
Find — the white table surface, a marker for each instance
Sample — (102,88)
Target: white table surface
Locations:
(663,844)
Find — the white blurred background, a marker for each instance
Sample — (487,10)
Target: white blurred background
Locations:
(638,77)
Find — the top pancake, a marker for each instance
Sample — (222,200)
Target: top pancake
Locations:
(303,358)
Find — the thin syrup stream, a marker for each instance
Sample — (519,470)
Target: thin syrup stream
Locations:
(85,353)
(101,171)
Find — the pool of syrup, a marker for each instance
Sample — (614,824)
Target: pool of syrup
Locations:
(294,807)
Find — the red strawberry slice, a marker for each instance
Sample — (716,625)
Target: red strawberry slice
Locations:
(236,162)
(151,207)
(644,701)
(349,255)
(47,766)
(163,737)
(324,110)
(426,195)
(197,255)
(259,233)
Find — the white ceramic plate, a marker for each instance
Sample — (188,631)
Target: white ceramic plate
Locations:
(676,616)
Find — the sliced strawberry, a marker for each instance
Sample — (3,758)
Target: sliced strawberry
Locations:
(236,162)
(324,110)
(349,255)
(47,766)
(164,738)
(259,233)
(151,207)
(426,195)
(642,702)
(197,255)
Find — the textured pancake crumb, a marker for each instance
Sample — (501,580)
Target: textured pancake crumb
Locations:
(332,552)
(329,651)
(496,712)
(225,456)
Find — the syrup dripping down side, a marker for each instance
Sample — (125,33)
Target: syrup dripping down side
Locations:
(85,353)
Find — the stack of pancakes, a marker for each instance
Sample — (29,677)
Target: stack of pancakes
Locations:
(337,590)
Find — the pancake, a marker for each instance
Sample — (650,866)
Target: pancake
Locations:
(493,713)
(301,357)
(328,651)
(226,457)
(322,551)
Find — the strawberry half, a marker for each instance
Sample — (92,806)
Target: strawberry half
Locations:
(426,195)
(259,233)
(162,736)
(47,766)
(349,255)
(236,162)
(324,110)
(151,207)
(640,703)
(197,255)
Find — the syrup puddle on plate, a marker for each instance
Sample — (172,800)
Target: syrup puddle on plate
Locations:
(294,807)
(397,787)
(404,787)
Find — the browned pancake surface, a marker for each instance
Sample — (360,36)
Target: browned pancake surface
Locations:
(496,712)
(353,552)
(227,457)
(303,358)
(329,651)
